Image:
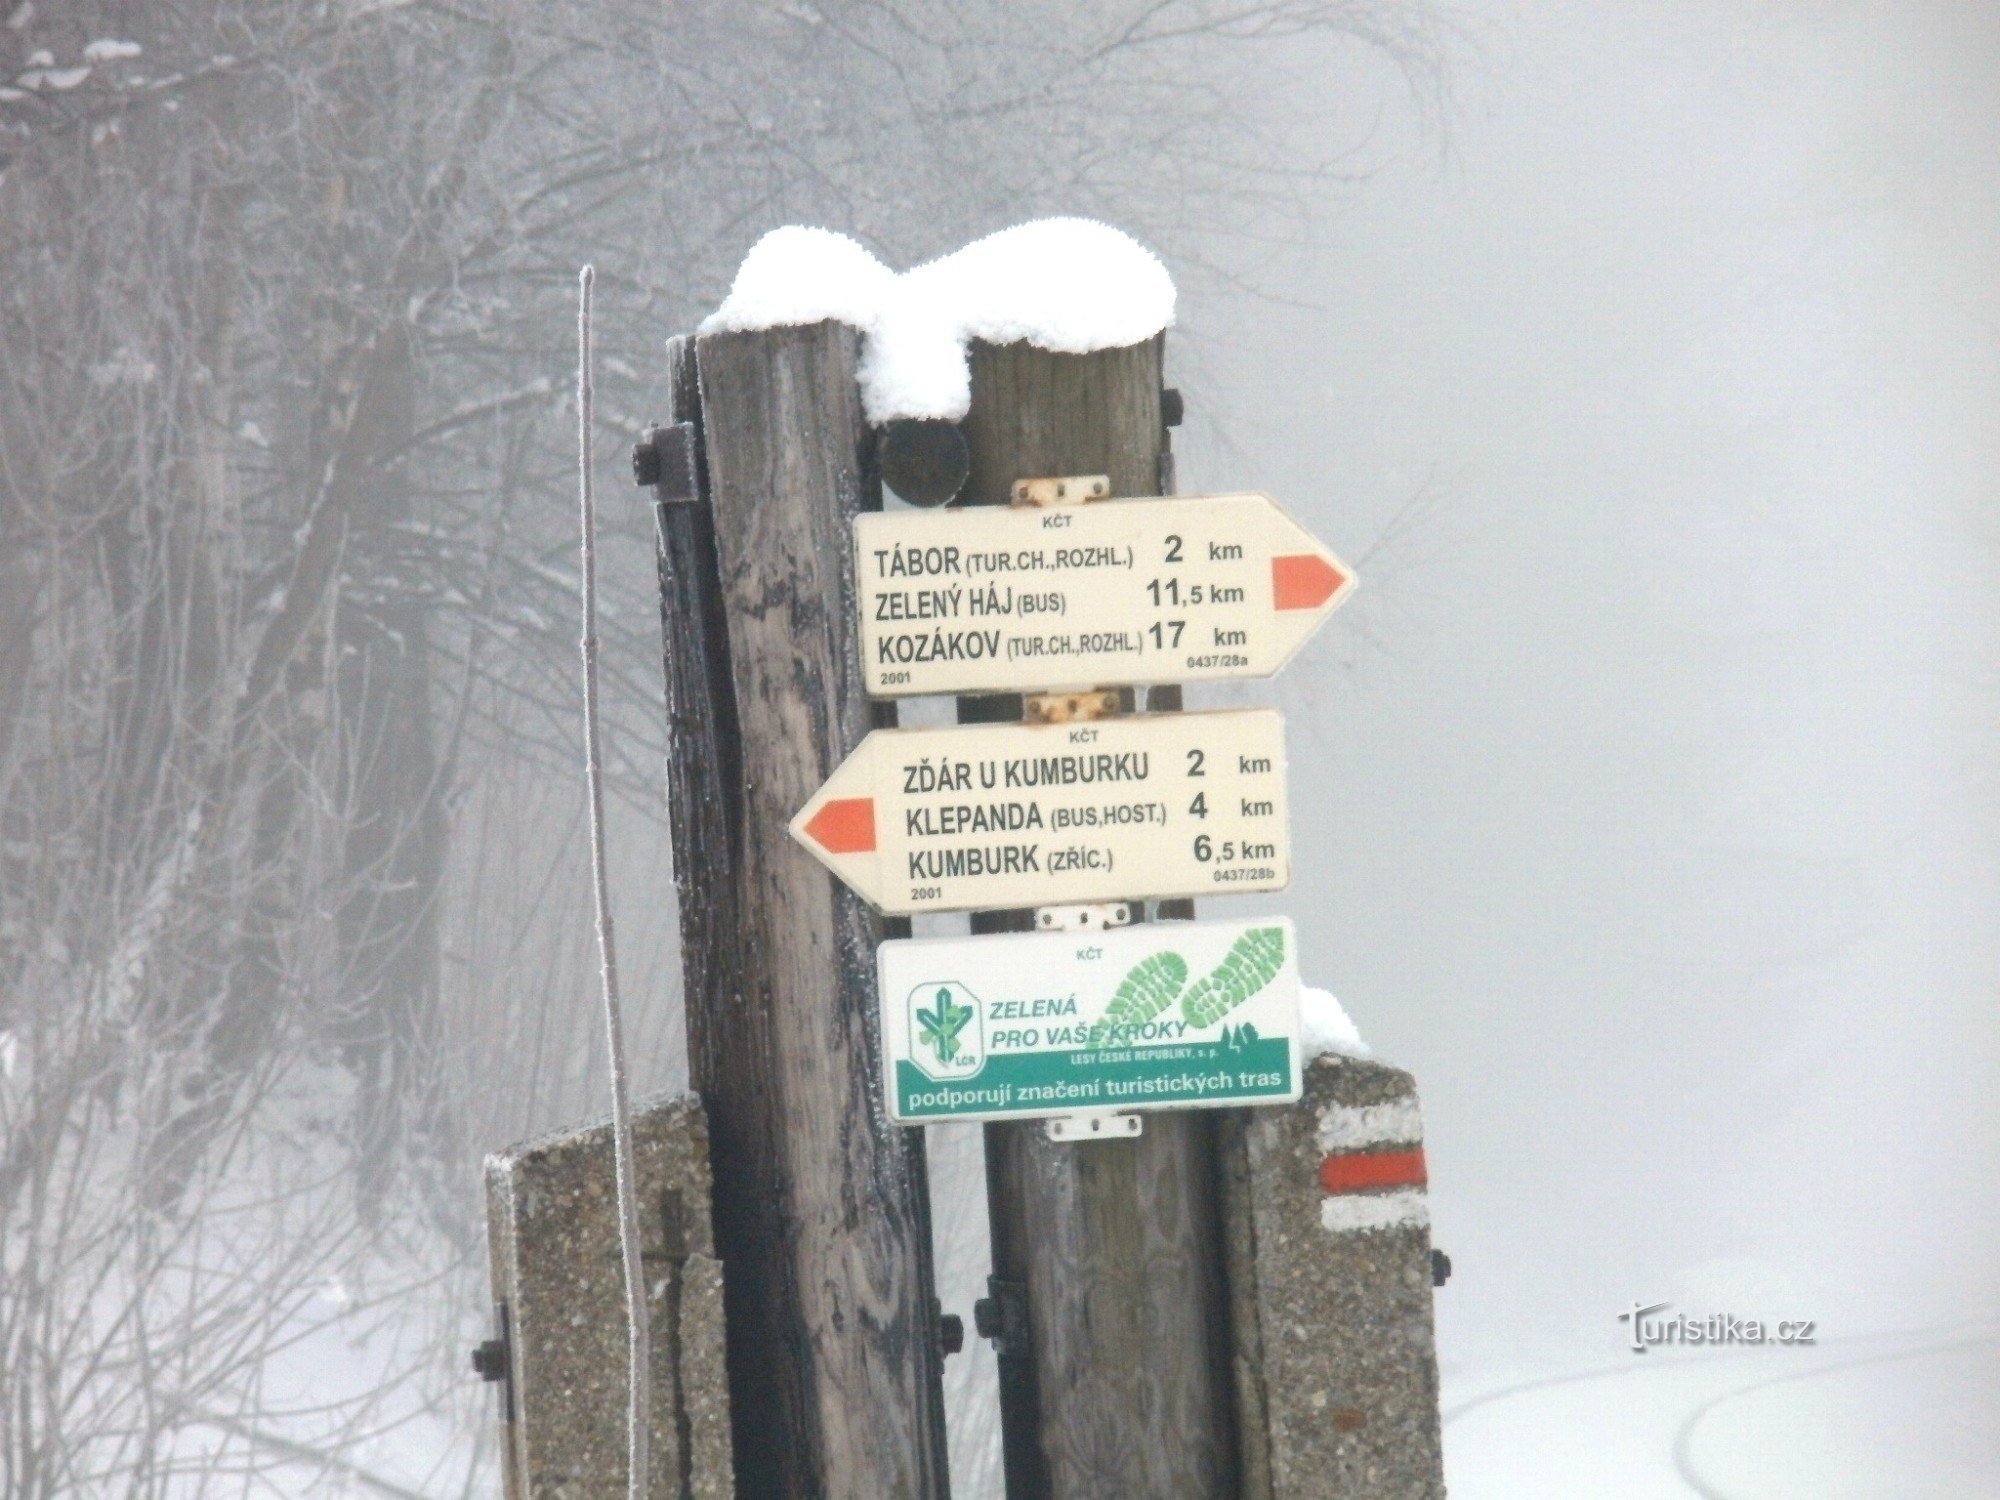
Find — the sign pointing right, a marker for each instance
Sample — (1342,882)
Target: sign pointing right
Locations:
(1017,598)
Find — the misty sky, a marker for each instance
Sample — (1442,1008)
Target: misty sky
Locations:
(1657,832)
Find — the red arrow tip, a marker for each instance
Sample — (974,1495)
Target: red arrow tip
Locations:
(1304,581)
(845,825)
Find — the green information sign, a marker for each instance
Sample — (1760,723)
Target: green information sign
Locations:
(1168,1015)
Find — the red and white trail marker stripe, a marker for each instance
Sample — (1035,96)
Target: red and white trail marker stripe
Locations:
(1373,1173)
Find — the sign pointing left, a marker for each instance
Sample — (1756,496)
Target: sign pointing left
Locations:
(1005,815)
(845,825)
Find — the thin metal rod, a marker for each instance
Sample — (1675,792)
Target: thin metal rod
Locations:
(639,1324)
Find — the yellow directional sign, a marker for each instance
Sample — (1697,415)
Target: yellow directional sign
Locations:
(1014,815)
(1015,598)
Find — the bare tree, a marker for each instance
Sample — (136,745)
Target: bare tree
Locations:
(289,861)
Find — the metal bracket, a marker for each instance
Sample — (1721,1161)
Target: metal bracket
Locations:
(1091,917)
(1069,708)
(1101,1125)
(665,459)
(1070,489)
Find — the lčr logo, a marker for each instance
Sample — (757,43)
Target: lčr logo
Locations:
(948,1027)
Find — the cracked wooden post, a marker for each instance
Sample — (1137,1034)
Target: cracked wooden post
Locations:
(1107,1256)
(821,1215)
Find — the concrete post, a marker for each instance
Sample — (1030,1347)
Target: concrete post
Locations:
(552,1228)
(1331,1287)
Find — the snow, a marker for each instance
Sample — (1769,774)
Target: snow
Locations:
(110,49)
(1068,285)
(41,75)
(800,275)
(1325,1028)
(126,367)
(1908,1415)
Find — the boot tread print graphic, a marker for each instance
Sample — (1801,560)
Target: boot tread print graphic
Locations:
(1253,961)
(1147,990)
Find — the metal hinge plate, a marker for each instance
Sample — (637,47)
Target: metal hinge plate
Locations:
(1099,1125)
(1069,489)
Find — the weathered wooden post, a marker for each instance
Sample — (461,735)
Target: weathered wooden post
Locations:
(821,1218)
(808,1033)
(1107,1259)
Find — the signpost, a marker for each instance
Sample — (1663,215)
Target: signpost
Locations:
(834,1353)
(1173,1015)
(1013,815)
(1108,1297)
(1007,598)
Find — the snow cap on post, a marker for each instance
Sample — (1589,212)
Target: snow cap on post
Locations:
(1067,285)
(1325,1029)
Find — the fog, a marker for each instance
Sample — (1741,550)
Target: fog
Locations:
(1643,358)
(1658,824)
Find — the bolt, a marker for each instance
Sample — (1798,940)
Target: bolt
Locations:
(951,1332)
(489,1360)
(986,1317)
(1440,1268)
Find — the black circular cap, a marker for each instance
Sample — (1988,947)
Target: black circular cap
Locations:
(924,459)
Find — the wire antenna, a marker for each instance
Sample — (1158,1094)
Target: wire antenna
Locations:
(638,1320)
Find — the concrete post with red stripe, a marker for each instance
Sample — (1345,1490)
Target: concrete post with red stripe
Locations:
(1331,1291)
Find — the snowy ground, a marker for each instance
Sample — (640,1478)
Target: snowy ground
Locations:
(1906,1416)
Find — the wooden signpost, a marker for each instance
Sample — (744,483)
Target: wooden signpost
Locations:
(1002,815)
(1033,596)
(1108,1307)
(822,1219)
(789,601)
